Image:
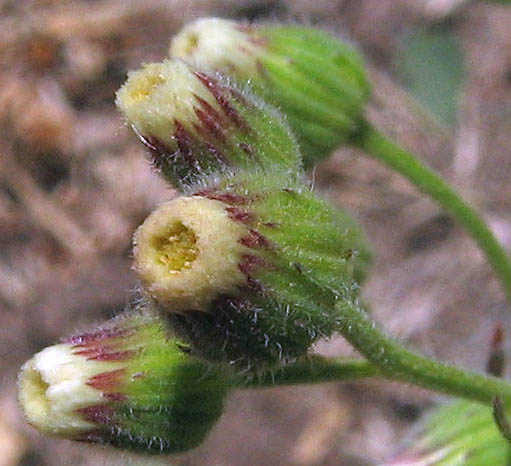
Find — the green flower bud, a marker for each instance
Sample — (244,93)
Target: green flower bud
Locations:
(461,433)
(317,81)
(196,124)
(125,384)
(249,270)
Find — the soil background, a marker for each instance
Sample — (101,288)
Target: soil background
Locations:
(74,185)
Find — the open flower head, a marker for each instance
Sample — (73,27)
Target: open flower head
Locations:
(187,253)
(125,384)
(249,270)
(196,124)
(318,81)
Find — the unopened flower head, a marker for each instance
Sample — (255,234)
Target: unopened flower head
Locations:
(125,384)
(219,44)
(197,124)
(462,433)
(249,270)
(318,81)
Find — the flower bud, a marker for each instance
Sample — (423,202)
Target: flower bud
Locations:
(197,124)
(125,384)
(249,271)
(317,81)
(460,433)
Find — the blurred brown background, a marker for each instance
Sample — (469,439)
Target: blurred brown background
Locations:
(74,185)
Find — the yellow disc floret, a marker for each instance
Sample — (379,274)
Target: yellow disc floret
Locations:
(176,248)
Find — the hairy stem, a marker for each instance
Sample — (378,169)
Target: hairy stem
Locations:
(315,369)
(386,358)
(398,363)
(377,145)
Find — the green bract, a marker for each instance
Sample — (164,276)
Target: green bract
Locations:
(317,81)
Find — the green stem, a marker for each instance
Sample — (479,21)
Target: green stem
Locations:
(398,363)
(314,369)
(376,144)
(386,359)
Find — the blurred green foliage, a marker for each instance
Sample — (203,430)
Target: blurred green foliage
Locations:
(431,66)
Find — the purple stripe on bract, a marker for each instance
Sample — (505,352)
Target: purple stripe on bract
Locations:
(219,93)
(255,240)
(106,380)
(239,215)
(98,414)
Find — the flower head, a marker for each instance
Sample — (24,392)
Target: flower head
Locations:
(187,253)
(125,384)
(249,270)
(317,81)
(196,124)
